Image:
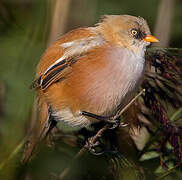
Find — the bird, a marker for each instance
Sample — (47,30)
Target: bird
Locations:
(90,73)
(93,70)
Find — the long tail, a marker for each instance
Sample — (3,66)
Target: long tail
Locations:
(40,131)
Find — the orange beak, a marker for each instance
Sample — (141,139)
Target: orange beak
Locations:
(150,38)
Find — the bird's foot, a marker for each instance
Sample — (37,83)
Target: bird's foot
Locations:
(88,114)
(112,120)
(113,123)
(94,146)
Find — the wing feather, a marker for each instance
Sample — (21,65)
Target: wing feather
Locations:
(54,74)
(52,77)
(72,51)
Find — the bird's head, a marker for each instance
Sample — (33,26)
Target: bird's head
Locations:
(126,31)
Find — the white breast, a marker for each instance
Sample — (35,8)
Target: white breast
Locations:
(133,71)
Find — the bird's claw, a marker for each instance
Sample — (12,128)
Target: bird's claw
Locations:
(122,124)
(114,123)
(91,146)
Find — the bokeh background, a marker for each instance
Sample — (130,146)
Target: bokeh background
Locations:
(27,28)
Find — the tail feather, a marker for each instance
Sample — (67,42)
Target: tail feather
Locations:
(39,134)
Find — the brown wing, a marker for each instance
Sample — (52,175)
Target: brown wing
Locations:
(57,60)
(53,74)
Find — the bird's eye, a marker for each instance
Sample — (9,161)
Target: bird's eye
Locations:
(134,32)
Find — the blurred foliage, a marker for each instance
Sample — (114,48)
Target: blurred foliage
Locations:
(24,31)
